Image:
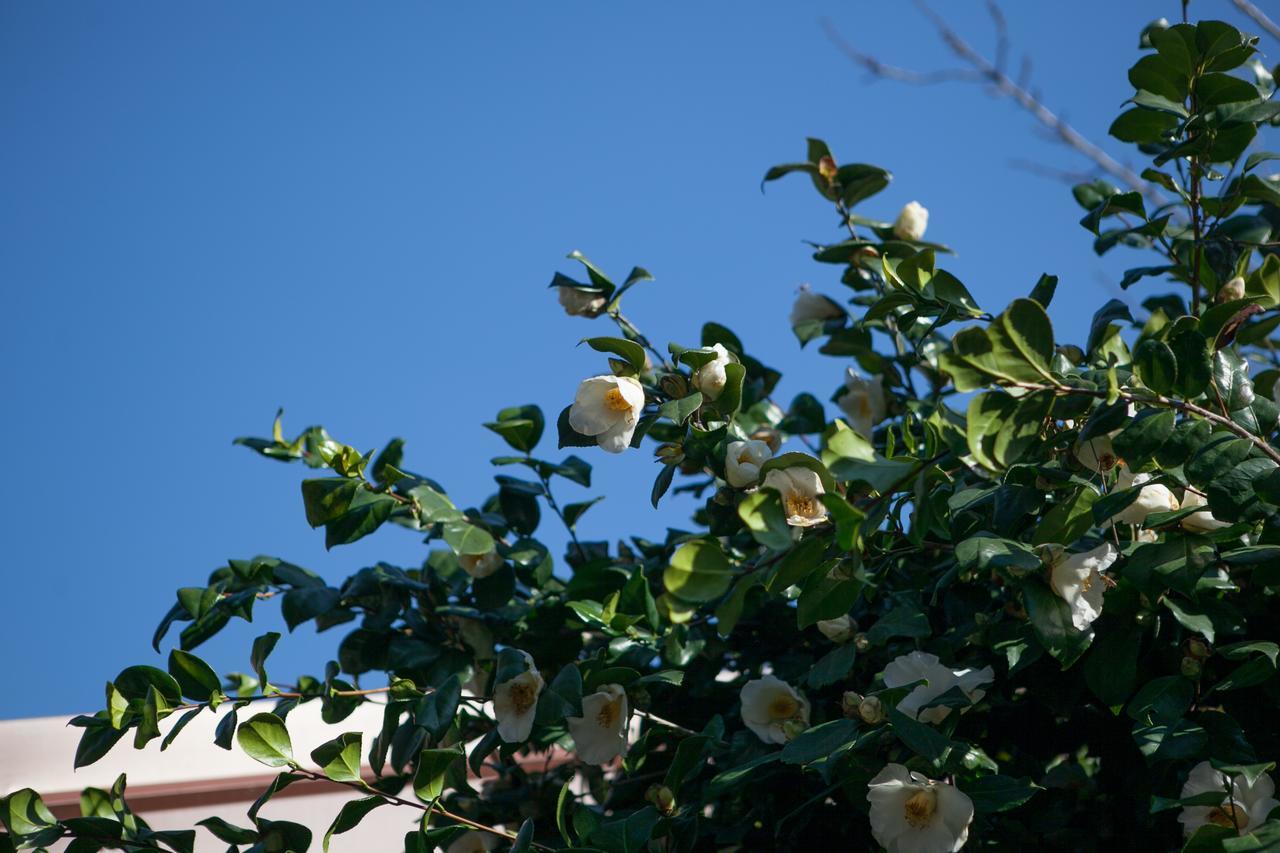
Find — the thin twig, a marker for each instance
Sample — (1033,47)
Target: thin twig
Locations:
(1259,17)
(982,69)
(1168,403)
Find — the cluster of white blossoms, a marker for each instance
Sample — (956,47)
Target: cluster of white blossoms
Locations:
(1244,806)
(608,408)
(599,735)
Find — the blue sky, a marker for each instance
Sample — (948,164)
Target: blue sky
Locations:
(352,211)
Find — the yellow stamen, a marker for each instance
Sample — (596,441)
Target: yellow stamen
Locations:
(744,457)
(919,808)
(1087,582)
(801,505)
(614,400)
(1229,815)
(522,697)
(783,707)
(609,714)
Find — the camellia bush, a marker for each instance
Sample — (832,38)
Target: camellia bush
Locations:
(1020,592)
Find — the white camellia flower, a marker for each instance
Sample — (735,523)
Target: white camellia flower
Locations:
(838,630)
(471,842)
(911,222)
(581,303)
(862,401)
(914,666)
(481,565)
(1096,454)
(1244,810)
(911,813)
(1152,497)
(600,734)
(768,704)
(710,378)
(742,461)
(1232,290)
(800,489)
(1078,580)
(810,306)
(608,408)
(514,703)
(1202,521)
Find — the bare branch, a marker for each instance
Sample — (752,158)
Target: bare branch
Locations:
(981,69)
(1259,17)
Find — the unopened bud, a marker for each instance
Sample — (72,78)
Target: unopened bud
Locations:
(1198,648)
(871,710)
(669,453)
(769,436)
(849,703)
(662,799)
(1190,667)
(792,729)
(1231,291)
(674,385)
(620,367)
(827,167)
(861,641)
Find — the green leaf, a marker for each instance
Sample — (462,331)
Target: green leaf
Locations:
(699,571)
(681,410)
(981,553)
(1068,520)
(428,779)
(833,666)
(991,794)
(819,742)
(328,498)
(466,538)
(761,511)
(350,815)
(921,738)
(1162,700)
(1051,620)
(366,514)
(628,351)
(196,678)
(1191,352)
(520,426)
(230,833)
(1191,621)
(24,813)
(901,621)
(339,758)
(264,738)
(1156,365)
(262,647)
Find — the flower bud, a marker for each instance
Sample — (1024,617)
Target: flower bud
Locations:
(827,168)
(669,453)
(1071,353)
(861,642)
(838,630)
(674,386)
(620,367)
(1190,667)
(871,710)
(792,729)
(1198,648)
(1231,291)
(849,703)
(911,222)
(662,799)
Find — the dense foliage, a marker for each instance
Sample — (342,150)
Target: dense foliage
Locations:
(1020,592)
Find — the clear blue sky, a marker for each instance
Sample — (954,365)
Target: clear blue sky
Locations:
(352,210)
